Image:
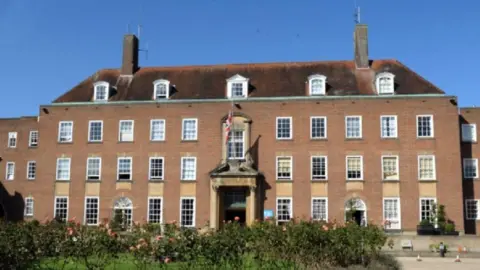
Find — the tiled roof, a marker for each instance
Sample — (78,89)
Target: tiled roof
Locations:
(266,80)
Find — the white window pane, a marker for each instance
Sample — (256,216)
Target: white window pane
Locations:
(354,168)
(284,210)
(31,170)
(469,132)
(426,168)
(28,206)
(319,209)
(391,213)
(61,208)
(33,138)
(157,130)
(390,168)
(156,168)
(155,210)
(188,168)
(95,131)
(319,168)
(187,212)
(10,171)
(472,209)
(389,126)
(235,145)
(161,91)
(126,131)
(353,127)
(424,126)
(189,129)
(63,169)
(12,139)
(284,128)
(91,211)
(65,132)
(470,168)
(318,127)
(93,168)
(427,208)
(124,169)
(284,167)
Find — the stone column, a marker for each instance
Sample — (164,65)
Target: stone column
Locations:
(214,207)
(253,199)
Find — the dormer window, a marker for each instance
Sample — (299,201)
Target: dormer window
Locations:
(100,92)
(161,89)
(237,87)
(385,83)
(317,84)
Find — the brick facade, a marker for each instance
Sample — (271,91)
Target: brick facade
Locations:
(208,150)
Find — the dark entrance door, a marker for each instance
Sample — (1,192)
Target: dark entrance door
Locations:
(235,204)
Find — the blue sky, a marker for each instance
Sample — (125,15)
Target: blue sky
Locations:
(47,47)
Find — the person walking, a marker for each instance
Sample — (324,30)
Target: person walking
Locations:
(441,247)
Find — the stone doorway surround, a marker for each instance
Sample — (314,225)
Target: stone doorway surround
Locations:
(233,173)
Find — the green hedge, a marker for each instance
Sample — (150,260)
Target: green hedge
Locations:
(299,245)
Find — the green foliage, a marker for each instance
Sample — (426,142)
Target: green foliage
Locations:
(264,245)
(450,227)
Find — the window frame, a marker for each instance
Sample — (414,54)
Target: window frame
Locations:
(183,129)
(311,167)
(120,122)
(476,168)
(182,176)
(361,167)
(12,135)
(477,202)
(150,169)
(85,210)
(434,178)
(13,170)
(290,205)
(99,169)
(290,119)
(30,144)
(397,165)
(164,130)
(69,169)
(399,204)
(55,206)
(324,118)
(90,130)
(230,138)
(161,208)
(25,214)
(326,207)
(240,80)
(432,127)
(474,135)
(60,131)
(289,178)
(95,90)
(193,214)
(34,171)
(118,168)
(420,205)
(323,89)
(386,75)
(381,127)
(360,126)
(167,88)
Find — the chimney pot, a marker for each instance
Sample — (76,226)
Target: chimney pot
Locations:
(130,55)
(361,46)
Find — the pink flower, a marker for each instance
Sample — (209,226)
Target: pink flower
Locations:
(132,248)
(171,239)
(237,218)
(158,238)
(167,260)
(267,218)
(325,227)
(284,229)
(141,240)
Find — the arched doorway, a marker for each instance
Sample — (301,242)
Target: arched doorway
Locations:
(123,211)
(356,210)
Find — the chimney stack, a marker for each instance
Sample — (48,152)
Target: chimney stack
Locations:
(130,55)
(360,39)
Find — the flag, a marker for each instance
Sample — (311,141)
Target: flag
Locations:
(228,126)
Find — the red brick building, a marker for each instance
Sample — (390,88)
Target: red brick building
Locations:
(306,140)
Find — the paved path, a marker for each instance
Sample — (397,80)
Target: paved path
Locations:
(410,263)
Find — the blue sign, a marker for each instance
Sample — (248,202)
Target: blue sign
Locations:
(268,213)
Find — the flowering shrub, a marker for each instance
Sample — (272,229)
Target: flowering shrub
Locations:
(263,245)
